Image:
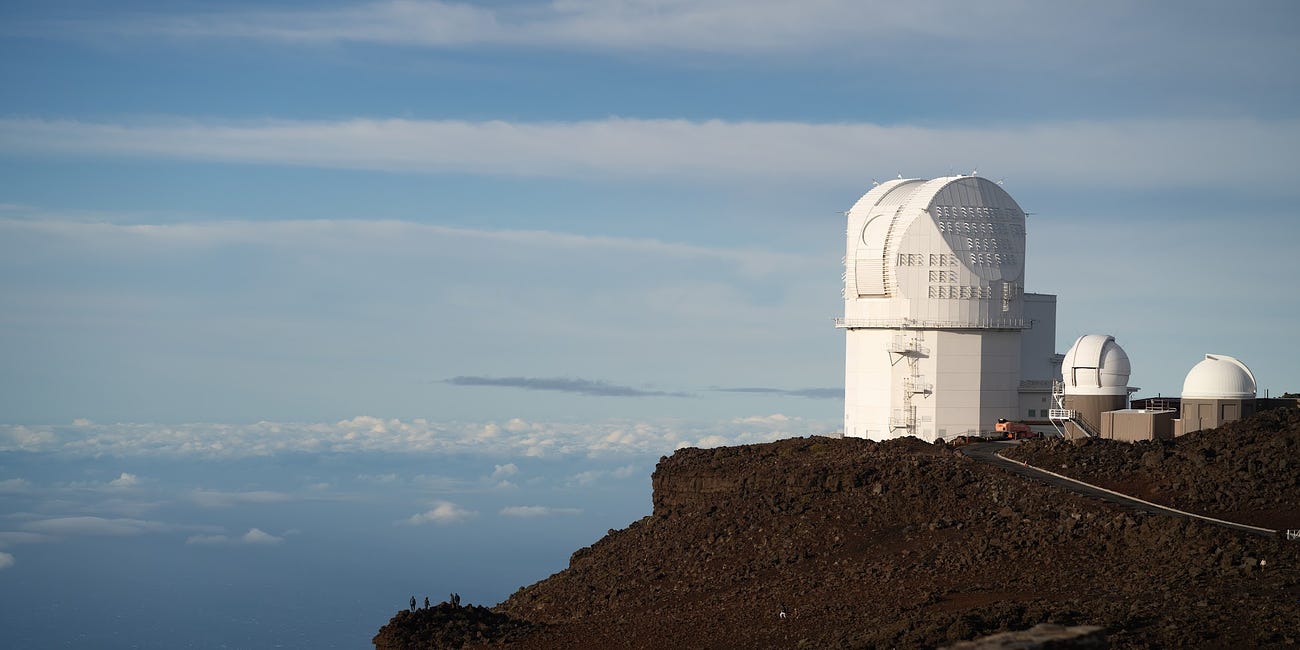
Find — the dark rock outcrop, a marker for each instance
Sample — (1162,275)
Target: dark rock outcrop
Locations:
(448,626)
(897,544)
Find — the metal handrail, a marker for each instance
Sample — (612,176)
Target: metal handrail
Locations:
(1071,415)
(904,344)
(911,323)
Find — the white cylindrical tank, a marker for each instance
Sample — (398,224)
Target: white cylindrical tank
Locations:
(1219,376)
(1095,365)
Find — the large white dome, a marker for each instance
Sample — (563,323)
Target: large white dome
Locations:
(948,252)
(1219,376)
(1095,365)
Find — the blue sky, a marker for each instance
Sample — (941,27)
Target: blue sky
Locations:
(575,233)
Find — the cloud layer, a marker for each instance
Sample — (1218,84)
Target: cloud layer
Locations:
(369,434)
(565,385)
(1178,153)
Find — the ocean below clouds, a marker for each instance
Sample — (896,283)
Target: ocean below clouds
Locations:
(297,536)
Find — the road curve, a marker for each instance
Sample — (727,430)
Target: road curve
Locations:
(988,453)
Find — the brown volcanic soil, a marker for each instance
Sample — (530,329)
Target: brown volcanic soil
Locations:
(1246,471)
(895,544)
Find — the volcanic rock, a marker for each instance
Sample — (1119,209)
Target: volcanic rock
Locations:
(899,544)
(447,626)
(1244,471)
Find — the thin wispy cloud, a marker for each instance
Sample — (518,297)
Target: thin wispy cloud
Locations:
(23,438)
(101,232)
(10,538)
(254,537)
(590,387)
(708,25)
(534,512)
(593,476)
(811,393)
(103,527)
(219,499)
(443,512)
(773,419)
(126,480)
(1125,153)
(98,526)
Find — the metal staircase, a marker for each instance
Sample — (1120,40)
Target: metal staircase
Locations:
(1062,414)
(910,346)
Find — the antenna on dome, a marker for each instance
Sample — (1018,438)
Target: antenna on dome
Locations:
(1001,180)
(975,172)
(874,182)
(900,174)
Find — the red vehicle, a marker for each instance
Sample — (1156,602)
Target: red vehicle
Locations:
(1016,430)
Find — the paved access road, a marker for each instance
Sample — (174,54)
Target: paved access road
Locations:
(987,453)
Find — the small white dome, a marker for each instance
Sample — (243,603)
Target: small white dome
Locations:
(1095,365)
(1219,376)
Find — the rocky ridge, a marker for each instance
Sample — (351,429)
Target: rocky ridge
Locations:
(894,544)
(1246,471)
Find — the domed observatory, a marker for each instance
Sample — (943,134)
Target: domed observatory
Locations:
(934,308)
(1217,390)
(1094,380)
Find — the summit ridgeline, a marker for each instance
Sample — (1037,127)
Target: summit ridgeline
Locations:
(849,543)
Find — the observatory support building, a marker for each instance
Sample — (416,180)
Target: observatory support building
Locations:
(941,338)
(1218,390)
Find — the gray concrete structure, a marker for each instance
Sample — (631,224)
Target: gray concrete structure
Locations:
(1039,362)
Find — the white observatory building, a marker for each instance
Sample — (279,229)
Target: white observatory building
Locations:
(941,338)
(1218,390)
(1094,380)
